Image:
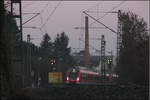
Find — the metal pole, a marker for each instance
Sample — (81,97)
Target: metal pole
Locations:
(111,62)
(103,43)
(20,40)
(118,37)
(21,36)
(29,58)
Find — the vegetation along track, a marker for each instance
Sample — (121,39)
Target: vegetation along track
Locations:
(90,92)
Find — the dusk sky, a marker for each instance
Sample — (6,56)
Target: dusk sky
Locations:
(69,15)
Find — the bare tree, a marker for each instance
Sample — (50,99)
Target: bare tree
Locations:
(133,64)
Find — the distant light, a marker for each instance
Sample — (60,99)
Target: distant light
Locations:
(77,78)
(52,61)
(67,78)
(107,74)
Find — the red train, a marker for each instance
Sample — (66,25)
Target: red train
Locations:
(87,76)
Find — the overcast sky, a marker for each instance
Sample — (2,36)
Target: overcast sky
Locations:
(69,15)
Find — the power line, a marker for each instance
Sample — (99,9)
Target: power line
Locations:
(41,19)
(31,18)
(35,16)
(44,7)
(109,11)
(29,4)
(100,22)
(51,14)
(94,6)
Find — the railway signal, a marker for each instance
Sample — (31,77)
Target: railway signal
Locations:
(53,64)
(52,61)
(109,61)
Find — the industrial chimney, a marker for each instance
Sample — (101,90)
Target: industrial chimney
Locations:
(87,54)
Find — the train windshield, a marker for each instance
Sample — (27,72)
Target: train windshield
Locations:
(73,74)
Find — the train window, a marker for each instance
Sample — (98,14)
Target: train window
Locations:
(92,77)
(96,77)
(89,77)
(73,75)
(84,76)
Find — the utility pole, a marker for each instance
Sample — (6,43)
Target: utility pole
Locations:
(87,54)
(119,37)
(29,69)
(103,43)
(19,33)
(19,37)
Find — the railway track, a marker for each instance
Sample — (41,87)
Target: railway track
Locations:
(90,92)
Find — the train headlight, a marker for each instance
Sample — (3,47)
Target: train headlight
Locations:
(77,78)
(67,78)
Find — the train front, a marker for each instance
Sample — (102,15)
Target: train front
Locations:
(73,75)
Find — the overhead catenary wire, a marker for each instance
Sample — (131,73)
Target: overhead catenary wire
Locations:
(109,11)
(29,4)
(40,13)
(51,14)
(44,7)
(36,14)
(41,18)
(100,22)
(100,2)
(31,18)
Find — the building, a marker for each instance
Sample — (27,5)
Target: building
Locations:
(95,62)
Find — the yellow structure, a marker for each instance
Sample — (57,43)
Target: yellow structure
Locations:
(55,77)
